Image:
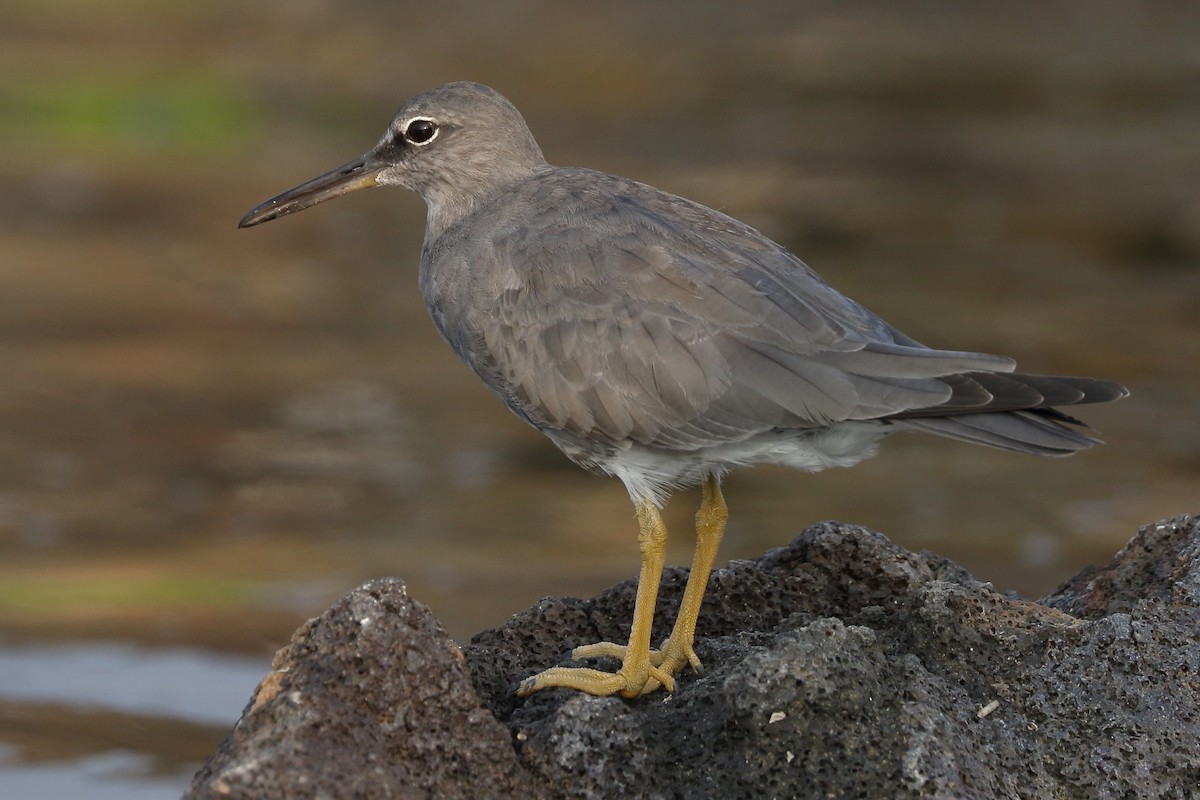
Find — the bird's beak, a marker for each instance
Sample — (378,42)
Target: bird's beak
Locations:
(358,174)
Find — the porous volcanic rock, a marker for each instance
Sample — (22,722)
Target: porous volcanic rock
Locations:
(840,665)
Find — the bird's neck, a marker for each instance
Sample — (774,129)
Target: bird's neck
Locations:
(450,201)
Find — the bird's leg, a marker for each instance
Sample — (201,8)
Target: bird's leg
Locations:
(710,527)
(677,650)
(637,674)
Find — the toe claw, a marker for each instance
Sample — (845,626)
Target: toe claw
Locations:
(662,678)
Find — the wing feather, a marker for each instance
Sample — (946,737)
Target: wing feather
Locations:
(626,315)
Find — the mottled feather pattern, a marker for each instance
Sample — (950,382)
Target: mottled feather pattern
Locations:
(710,334)
(649,335)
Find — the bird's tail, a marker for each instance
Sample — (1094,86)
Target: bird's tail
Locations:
(1009,420)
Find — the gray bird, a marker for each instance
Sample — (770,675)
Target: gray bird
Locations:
(662,342)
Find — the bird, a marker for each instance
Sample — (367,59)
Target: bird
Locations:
(661,342)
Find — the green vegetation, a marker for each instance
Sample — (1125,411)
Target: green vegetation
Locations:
(115,592)
(189,113)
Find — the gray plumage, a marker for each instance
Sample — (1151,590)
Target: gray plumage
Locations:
(656,339)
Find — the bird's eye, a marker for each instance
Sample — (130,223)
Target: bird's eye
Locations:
(421,131)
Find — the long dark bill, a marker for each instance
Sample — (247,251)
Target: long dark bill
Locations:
(357,174)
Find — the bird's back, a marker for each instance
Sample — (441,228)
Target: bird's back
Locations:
(621,316)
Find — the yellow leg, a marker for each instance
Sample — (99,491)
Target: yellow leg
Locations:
(710,527)
(677,651)
(636,672)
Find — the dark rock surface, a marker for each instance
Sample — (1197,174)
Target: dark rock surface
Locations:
(838,666)
(369,700)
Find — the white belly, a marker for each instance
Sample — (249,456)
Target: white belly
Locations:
(652,473)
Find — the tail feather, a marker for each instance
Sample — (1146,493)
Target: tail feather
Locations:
(1022,431)
(1016,413)
(987,392)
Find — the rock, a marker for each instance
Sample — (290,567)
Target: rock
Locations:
(838,666)
(370,699)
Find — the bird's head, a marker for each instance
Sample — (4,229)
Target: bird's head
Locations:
(453,145)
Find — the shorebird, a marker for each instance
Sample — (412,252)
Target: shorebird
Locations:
(661,342)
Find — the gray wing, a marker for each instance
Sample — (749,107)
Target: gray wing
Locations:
(632,315)
(635,316)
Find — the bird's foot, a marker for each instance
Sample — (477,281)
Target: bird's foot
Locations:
(630,681)
(675,656)
(672,658)
(662,666)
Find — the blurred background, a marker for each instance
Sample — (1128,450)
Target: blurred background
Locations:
(207,435)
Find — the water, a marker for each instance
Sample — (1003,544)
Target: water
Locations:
(116,774)
(203,687)
(207,435)
(113,719)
